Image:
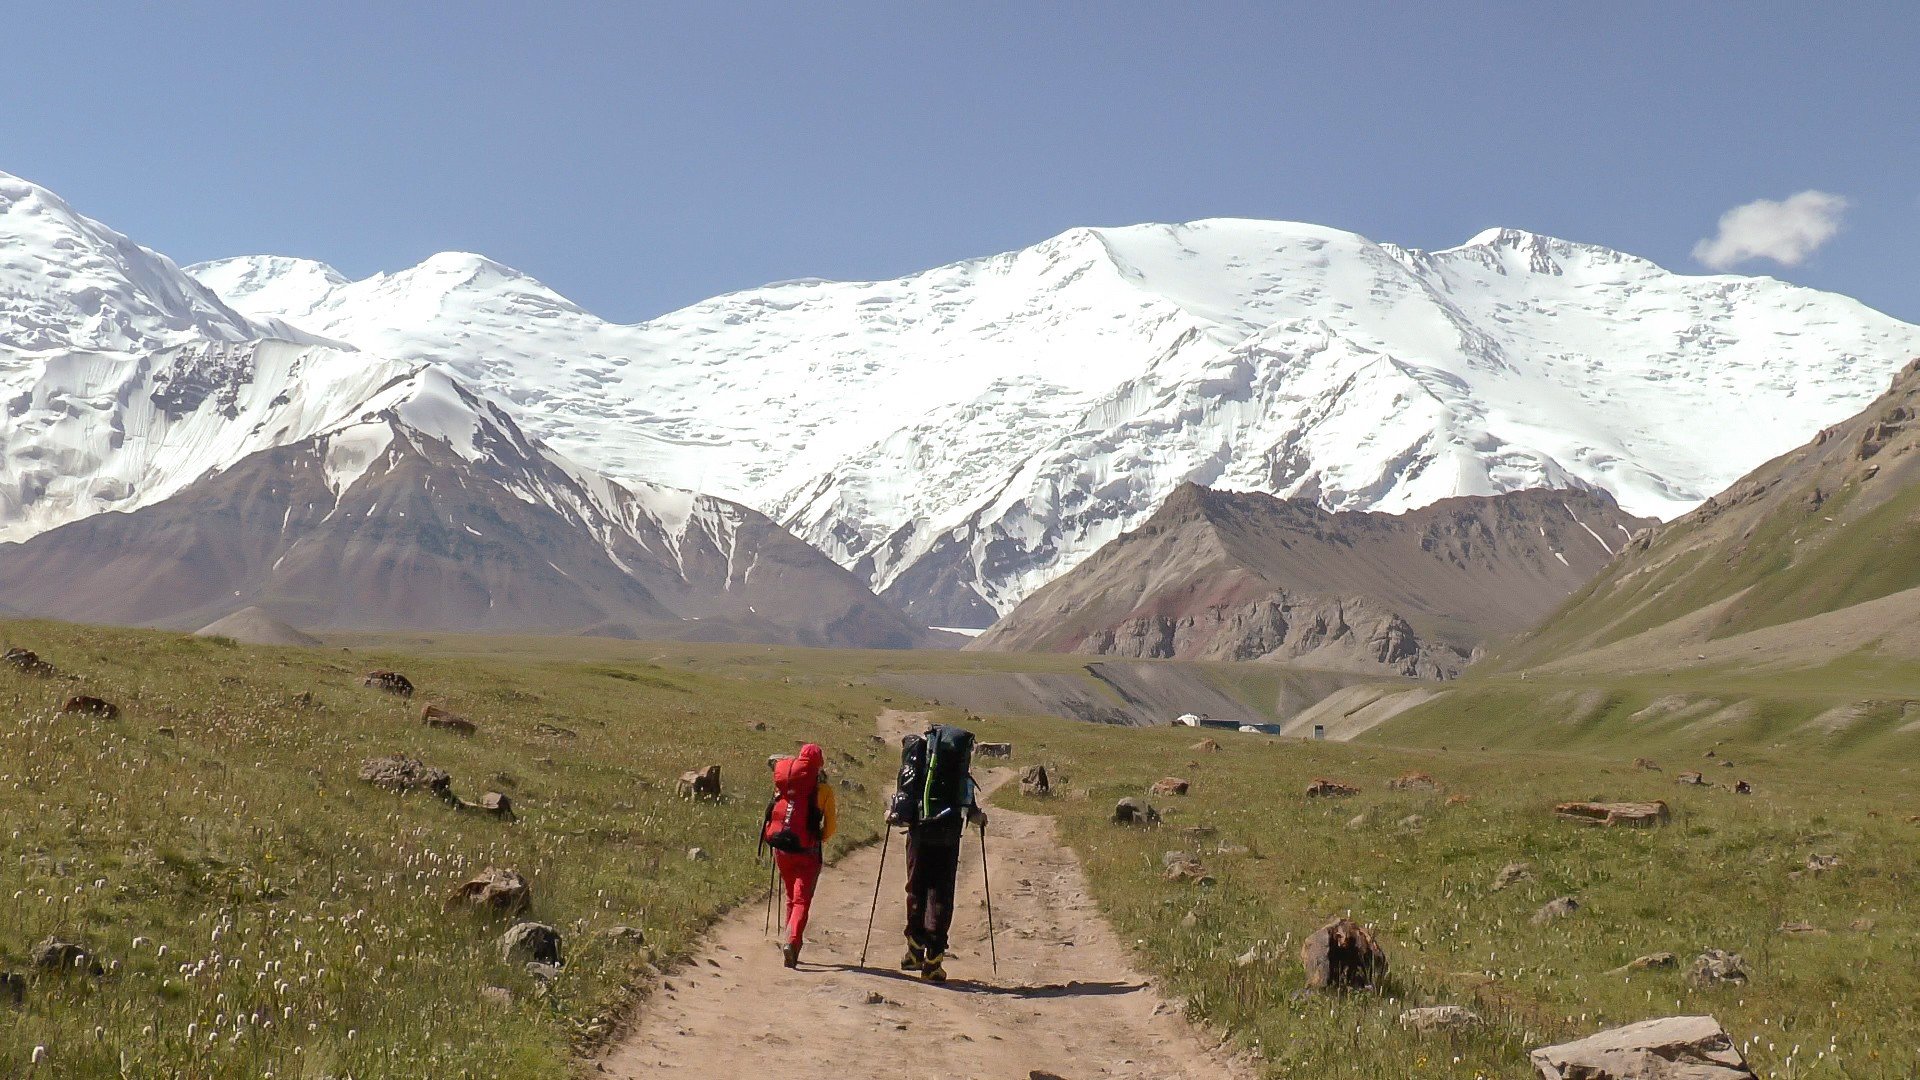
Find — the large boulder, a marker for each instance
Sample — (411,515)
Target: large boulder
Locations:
(398,772)
(531,943)
(1131,811)
(1672,1048)
(91,706)
(1633,814)
(1034,781)
(1324,788)
(389,682)
(1342,955)
(493,890)
(27,662)
(55,955)
(1512,874)
(1716,967)
(699,783)
(435,716)
(1414,781)
(1440,1018)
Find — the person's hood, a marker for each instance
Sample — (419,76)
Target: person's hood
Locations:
(813,755)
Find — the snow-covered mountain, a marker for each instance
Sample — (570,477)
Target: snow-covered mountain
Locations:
(961,436)
(256,464)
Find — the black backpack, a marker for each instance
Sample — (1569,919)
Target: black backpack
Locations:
(934,774)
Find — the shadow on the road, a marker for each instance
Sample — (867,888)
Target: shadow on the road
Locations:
(970,986)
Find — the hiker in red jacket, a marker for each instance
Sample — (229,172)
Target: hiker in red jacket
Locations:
(800,820)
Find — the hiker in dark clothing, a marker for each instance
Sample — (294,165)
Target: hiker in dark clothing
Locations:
(933,862)
(936,803)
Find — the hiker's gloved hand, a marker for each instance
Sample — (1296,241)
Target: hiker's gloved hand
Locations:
(976,816)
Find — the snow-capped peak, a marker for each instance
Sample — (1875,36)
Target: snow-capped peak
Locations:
(67,281)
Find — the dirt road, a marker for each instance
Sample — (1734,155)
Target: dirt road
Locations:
(1066,1002)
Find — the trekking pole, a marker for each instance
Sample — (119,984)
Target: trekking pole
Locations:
(773,876)
(886,838)
(987,881)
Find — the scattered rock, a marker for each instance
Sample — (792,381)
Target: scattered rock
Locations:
(1323,788)
(493,804)
(1512,874)
(389,682)
(436,717)
(493,890)
(1660,961)
(850,784)
(1131,811)
(28,662)
(1414,781)
(545,973)
(1233,850)
(1741,787)
(1207,746)
(1458,799)
(1360,820)
(1342,955)
(1691,776)
(699,784)
(13,987)
(497,996)
(1717,966)
(1035,782)
(555,731)
(397,772)
(1862,926)
(1646,763)
(697,854)
(758,725)
(1188,869)
(1169,785)
(531,942)
(53,954)
(1411,823)
(1440,1018)
(625,935)
(1802,929)
(1556,909)
(1635,814)
(993,749)
(1820,864)
(1189,921)
(1672,1048)
(91,706)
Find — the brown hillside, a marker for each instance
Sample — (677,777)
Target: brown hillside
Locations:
(1236,576)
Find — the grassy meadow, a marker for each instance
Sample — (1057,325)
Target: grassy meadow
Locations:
(261,912)
(1728,873)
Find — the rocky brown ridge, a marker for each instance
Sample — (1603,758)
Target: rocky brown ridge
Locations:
(1218,575)
(1813,552)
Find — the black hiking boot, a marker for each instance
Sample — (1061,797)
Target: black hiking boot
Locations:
(915,959)
(933,971)
(790,954)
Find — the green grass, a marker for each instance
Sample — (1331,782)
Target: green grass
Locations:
(244,820)
(1722,875)
(216,851)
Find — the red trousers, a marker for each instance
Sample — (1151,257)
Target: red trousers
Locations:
(798,873)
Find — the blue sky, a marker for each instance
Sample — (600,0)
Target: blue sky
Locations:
(638,157)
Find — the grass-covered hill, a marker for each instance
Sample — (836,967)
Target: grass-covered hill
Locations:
(1810,557)
(257,910)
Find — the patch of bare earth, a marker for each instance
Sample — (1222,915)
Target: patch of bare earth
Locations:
(1067,999)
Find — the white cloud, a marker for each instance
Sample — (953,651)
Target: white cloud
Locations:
(1786,232)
